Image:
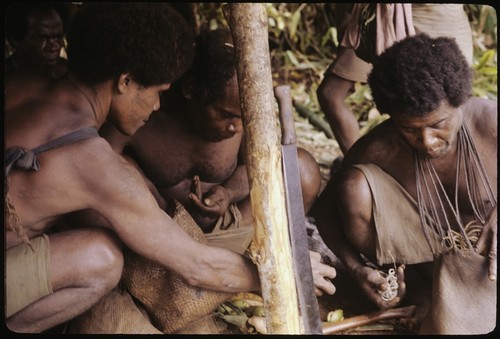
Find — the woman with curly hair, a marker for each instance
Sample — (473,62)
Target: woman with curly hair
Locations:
(417,194)
(121,57)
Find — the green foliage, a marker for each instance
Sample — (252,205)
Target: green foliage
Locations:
(485,75)
(484,30)
(303,42)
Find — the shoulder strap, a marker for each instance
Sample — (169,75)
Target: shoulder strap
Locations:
(27,159)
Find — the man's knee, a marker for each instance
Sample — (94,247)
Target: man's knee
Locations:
(86,257)
(310,177)
(107,258)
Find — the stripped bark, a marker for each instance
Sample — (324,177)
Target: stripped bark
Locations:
(270,248)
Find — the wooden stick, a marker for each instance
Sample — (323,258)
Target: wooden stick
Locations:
(270,248)
(360,320)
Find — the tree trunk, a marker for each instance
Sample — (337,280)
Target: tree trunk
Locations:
(270,248)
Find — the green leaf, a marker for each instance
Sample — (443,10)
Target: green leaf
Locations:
(292,58)
(239,320)
(294,23)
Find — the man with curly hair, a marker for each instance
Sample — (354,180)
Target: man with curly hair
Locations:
(35,32)
(190,151)
(419,191)
(347,69)
(121,57)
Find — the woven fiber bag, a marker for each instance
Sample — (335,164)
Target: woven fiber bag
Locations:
(169,301)
(115,313)
(152,300)
(464,300)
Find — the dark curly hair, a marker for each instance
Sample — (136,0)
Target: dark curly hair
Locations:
(16,17)
(415,74)
(214,63)
(151,41)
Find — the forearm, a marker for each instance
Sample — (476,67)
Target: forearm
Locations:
(163,241)
(329,226)
(337,242)
(148,231)
(224,270)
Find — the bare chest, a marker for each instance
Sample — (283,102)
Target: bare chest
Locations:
(168,156)
(455,192)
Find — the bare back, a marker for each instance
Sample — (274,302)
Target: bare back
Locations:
(81,175)
(40,197)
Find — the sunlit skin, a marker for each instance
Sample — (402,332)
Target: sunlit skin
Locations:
(86,260)
(439,150)
(129,108)
(390,146)
(210,152)
(140,101)
(433,135)
(346,70)
(190,151)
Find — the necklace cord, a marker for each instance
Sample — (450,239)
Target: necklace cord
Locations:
(433,215)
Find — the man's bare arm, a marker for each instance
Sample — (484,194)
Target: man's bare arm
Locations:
(355,210)
(122,197)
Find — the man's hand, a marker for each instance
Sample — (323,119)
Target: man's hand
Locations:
(320,272)
(488,242)
(211,205)
(370,282)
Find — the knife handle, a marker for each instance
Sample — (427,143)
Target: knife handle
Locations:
(284,97)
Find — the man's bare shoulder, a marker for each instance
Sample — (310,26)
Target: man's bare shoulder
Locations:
(97,157)
(83,159)
(482,116)
(101,172)
(481,107)
(378,145)
(481,104)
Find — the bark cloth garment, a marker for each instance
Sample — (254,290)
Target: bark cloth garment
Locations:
(152,299)
(27,276)
(463,298)
(433,19)
(375,27)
